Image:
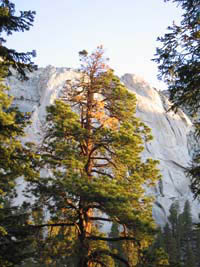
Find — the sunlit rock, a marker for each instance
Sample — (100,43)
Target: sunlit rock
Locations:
(172,132)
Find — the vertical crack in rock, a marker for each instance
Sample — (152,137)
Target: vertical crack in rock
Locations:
(172,180)
(170,124)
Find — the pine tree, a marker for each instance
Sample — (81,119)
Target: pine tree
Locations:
(116,247)
(15,237)
(197,246)
(187,241)
(156,254)
(92,150)
(10,23)
(173,217)
(189,257)
(13,154)
(170,245)
(179,66)
(187,219)
(178,57)
(16,159)
(180,238)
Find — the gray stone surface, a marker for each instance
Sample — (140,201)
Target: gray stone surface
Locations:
(172,132)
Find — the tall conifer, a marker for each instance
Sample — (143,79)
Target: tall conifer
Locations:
(92,150)
(178,59)
(16,159)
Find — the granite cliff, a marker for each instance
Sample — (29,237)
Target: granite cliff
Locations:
(172,144)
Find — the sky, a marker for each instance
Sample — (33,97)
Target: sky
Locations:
(127,29)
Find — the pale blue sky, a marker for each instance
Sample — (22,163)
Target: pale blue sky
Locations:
(126,28)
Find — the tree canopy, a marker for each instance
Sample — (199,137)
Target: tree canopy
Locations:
(16,158)
(96,175)
(179,66)
(178,57)
(14,155)
(10,23)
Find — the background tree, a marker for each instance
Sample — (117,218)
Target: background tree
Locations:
(197,256)
(92,150)
(189,257)
(179,238)
(156,255)
(187,235)
(173,217)
(186,218)
(170,245)
(116,247)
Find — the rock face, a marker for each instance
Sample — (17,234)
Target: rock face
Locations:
(171,144)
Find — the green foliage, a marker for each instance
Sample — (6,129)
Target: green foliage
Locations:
(173,217)
(10,23)
(16,237)
(92,150)
(116,247)
(179,239)
(190,258)
(179,66)
(178,57)
(186,217)
(16,159)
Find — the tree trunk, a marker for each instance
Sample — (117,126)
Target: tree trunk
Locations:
(85,224)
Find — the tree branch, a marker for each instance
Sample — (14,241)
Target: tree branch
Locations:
(100,219)
(101,165)
(104,158)
(50,225)
(112,239)
(103,173)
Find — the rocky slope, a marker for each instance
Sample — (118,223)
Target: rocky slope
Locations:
(172,144)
